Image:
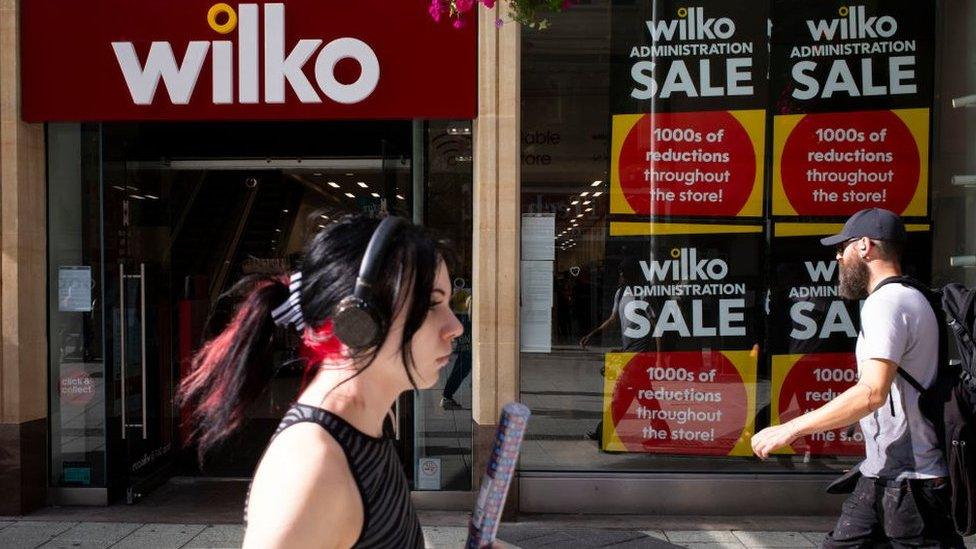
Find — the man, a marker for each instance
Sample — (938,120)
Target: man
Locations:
(902,496)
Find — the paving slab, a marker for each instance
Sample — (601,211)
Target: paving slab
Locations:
(815,537)
(437,537)
(31,534)
(645,542)
(706,545)
(683,537)
(73,544)
(656,534)
(772,539)
(160,536)
(217,537)
(105,533)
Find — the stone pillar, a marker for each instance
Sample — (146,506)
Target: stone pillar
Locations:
(495,372)
(23,288)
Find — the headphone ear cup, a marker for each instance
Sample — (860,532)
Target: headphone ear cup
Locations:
(356,324)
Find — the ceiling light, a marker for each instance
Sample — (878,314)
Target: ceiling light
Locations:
(350,195)
(596,183)
(596,194)
(350,174)
(588,210)
(575,202)
(363,185)
(579,215)
(152,197)
(277,230)
(321,226)
(317,174)
(131,188)
(375,195)
(284,211)
(333,184)
(118,187)
(137,197)
(323,216)
(586,202)
(400,197)
(584,193)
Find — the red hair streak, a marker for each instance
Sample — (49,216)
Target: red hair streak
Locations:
(319,344)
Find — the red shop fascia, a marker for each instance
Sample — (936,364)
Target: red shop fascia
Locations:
(154,60)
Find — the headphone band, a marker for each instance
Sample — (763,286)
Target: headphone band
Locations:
(378,245)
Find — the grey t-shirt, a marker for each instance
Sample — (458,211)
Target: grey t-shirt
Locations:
(897,324)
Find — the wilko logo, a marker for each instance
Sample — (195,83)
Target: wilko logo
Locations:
(692,25)
(685,266)
(821,271)
(853,24)
(281,67)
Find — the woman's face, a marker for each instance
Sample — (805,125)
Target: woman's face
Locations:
(431,345)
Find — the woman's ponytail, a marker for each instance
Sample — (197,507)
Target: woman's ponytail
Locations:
(232,369)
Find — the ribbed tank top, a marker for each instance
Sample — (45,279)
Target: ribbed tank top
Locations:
(389,519)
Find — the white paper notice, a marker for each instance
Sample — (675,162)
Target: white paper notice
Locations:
(74,289)
(536,310)
(539,237)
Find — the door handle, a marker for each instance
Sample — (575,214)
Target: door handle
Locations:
(122,342)
(142,326)
(122,362)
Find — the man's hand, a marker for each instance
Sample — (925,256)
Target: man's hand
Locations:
(773,438)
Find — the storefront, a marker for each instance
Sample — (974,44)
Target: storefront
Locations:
(685,158)
(202,143)
(673,162)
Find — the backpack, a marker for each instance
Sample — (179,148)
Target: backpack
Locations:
(950,403)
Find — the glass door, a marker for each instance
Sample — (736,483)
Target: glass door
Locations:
(139,315)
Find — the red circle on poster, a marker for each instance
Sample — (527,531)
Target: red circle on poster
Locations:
(693,164)
(839,163)
(679,403)
(812,382)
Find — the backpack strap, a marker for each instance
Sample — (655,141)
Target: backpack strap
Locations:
(907,281)
(911,380)
(936,308)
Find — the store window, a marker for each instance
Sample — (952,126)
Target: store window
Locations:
(77,388)
(680,162)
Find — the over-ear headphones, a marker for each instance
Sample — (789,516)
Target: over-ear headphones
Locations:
(355,322)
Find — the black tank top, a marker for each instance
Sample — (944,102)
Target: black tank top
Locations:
(389,519)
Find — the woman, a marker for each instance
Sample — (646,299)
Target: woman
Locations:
(329,478)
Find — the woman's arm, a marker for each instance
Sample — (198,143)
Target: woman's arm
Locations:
(606,324)
(303,494)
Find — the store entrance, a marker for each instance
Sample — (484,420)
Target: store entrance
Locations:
(179,231)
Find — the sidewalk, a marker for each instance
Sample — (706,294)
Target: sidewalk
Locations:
(444,530)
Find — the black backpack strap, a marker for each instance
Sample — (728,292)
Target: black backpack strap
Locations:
(907,281)
(911,380)
(936,308)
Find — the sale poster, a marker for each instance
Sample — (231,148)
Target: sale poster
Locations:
(688,102)
(851,89)
(684,380)
(811,346)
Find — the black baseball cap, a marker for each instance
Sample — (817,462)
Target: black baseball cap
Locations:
(874,223)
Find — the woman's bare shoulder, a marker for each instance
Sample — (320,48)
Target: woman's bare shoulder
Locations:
(303,493)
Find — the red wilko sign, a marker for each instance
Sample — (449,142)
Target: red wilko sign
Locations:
(200,60)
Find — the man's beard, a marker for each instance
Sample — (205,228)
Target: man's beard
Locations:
(854,280)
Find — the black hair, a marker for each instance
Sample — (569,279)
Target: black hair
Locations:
(233,367)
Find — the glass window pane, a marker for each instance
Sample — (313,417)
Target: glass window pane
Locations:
(77,368)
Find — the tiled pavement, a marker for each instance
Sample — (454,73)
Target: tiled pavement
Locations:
(20,533)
